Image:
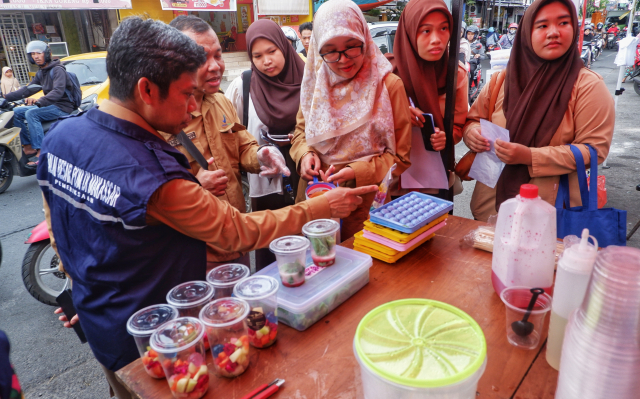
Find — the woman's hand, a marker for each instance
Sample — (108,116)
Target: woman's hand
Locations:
(513,153)
(344,175)
(417,119)
(309,166)
(438,140)
(63,318)
(474,140)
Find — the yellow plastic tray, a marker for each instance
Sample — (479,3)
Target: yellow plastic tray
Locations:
(380,251)
(399,236)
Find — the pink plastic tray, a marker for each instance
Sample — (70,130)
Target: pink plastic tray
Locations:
(402,247)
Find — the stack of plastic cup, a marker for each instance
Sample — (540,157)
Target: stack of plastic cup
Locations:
(601,351)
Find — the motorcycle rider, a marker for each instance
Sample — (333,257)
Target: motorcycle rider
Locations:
(465,48)
(55,103)
(492,39)
(506,41)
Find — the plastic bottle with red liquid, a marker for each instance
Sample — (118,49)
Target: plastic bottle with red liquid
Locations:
(524,246)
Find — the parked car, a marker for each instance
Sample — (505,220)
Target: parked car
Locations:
(383,34)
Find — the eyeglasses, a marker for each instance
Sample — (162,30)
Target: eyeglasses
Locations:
(334,56)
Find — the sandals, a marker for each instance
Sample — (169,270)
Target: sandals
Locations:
(33,163)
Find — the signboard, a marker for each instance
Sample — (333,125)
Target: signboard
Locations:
(64,4)
(596,3)
(199,5)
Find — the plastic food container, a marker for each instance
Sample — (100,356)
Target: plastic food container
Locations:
(224,321)
(410,212)
(318,188)
(325,289)
(189,298)
(179,344)
(291,252)
(224,278)
(141,325)
(419,348)
(322,235)
(261,294)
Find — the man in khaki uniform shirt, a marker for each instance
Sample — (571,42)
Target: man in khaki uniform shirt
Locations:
(216,132)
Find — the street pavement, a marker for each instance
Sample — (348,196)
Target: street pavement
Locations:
(49,359)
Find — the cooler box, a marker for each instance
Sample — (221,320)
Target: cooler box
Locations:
(324,288)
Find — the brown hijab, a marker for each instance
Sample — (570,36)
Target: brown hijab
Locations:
(424,80)
(536,95)
(276,99)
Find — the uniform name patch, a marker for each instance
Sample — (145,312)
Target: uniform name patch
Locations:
(174,141)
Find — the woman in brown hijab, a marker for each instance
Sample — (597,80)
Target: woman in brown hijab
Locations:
(546,99)
(421,55)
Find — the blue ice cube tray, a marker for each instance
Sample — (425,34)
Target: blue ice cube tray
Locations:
(410,212)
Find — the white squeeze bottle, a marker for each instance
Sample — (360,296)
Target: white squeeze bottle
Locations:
(524,246)
(572,280)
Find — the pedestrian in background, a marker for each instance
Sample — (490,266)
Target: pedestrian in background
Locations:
(548,99)
(8,83)
(306,30)
(354,122)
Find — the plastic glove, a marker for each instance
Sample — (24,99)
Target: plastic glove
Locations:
(272,163)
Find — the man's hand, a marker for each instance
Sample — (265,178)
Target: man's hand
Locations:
(30,101)
(438,140)
(417,119)
(474,140)
(476,56)
(309,166)
(343,201)
(63,318)
(214,181)
(344,175)
(513,153)
(272,163)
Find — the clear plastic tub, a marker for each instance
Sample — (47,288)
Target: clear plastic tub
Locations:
(141,325)
(224,321)
(224,278)
(325,289)
(322,235)
(290,254)
(179,344)
(419,348)
(261,294)
(189,298)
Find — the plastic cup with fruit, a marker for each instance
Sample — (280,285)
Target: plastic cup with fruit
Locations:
(141,325)
(291,256)
(189,298)
(224,321)
(224,278)
(322,235)
(260,292)
(180,348)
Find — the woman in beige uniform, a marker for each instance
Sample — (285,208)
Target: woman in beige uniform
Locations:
(546,99)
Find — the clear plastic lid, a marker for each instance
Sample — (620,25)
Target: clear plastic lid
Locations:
(288,245)
(190,294)
(226,275)
(145,321)
(420,343)
(256,288)
(224,312)
(320,228)
(177,335)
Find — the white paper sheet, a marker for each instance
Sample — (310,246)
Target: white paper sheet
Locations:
(427,169)
(487,167)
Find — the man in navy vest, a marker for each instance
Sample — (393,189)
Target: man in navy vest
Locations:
(129,220)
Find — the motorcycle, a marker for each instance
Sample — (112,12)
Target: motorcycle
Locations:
(475,78)
(635,74)
(13,161)
(586,54)
(596,47)
(611,40)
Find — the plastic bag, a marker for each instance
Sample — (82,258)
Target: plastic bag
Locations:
(383,189)
(602,190)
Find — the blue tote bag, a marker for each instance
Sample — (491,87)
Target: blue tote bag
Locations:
(607,225)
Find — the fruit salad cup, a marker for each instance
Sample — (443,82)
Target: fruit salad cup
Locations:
(141,326)
(260,292)
(224,321)
(189,298)
(291,256)
(180,347)
(322,235)
(224,278)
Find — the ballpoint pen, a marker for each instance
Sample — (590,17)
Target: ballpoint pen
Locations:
(264,390)
(413,106)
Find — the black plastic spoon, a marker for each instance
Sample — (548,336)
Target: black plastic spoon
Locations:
(524,327)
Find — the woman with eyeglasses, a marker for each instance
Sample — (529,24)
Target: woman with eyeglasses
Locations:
(354,122)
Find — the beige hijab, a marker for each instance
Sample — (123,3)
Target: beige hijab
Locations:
(346,120)
(7,85)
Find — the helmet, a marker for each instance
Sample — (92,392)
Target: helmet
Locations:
(491,29)
(37,46)
(513,25)
(290,34)
(474,29)
(600,25)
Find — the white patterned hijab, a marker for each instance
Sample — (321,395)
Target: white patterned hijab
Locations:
(333,106)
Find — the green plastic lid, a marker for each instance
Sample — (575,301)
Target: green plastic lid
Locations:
(420,343)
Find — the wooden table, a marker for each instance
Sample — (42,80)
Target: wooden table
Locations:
(319,362)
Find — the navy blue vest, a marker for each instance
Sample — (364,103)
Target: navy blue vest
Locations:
(97,173)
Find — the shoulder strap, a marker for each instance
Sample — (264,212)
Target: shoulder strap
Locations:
(588,195)
(494,89)
(246,84)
